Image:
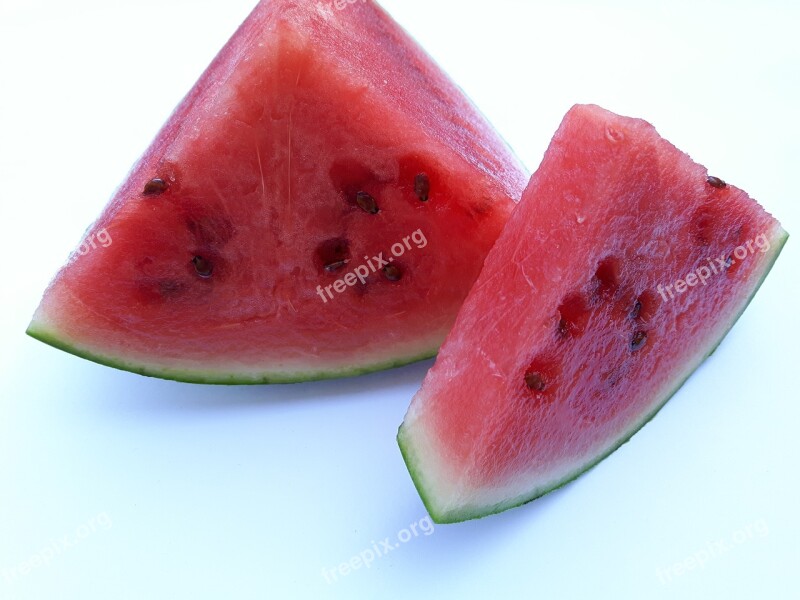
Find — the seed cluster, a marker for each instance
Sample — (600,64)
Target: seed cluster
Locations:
(601,294)
(333,254)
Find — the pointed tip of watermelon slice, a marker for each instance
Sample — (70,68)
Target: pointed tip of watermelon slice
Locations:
(42,333)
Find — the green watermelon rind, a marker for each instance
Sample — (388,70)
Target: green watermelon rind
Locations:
(209,378)
(412,460)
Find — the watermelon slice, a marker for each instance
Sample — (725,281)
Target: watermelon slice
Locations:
(319,205)
(621,270)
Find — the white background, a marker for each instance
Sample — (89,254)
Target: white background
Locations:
(252,492)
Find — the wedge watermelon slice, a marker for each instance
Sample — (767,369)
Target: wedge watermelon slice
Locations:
(319,205)
(621,270)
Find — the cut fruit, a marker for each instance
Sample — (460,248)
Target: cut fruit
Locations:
(319,205)
(620,271)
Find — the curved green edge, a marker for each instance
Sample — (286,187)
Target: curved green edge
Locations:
(412,460)
(208,378)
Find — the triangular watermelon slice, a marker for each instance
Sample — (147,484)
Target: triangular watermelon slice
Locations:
(319,205)
(620,271)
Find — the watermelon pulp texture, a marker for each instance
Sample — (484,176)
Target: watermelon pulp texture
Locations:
(618,274)
(318,205)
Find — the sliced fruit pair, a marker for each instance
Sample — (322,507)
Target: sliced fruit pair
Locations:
(320,205)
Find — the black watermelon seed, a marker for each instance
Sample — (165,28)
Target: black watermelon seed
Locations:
(639,340)
(335,266)
(637,310)
(535,381)
(422,187)
(392,273)
(716,182)
(154,187)
(202,266)
(333,254)
(367,203)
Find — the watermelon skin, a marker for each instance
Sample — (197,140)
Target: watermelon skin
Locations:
(261,167)
(216,378)
(613,213)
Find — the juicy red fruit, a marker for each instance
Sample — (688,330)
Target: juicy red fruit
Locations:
(316,140)
(588,314)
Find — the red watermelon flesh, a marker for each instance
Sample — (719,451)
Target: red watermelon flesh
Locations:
(320,145)
(620,271)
